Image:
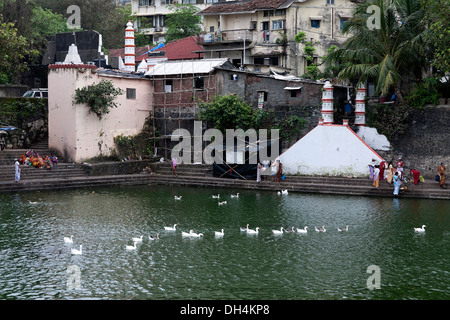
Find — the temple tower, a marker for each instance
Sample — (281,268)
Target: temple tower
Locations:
(327,103)
(360,106)
(130,64)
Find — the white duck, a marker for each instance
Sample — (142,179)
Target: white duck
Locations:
(304,230)
(178,197)
(216,197)
(253,231)
(68,240)
(420,229)
(75,251)
(321,229)
(171,228)
(131,247)
(343,229)
(235,195)
(193,234)
(137,239)
(187,234)
(153,237)
(292,229)
(284,192)
(219,233)
(222,203)
(278,231)
(244,229)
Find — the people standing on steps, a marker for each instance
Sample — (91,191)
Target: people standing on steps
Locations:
(376,176)
(17,170)
(400,165)
(442,170)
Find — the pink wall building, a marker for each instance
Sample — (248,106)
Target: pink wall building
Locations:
(79,135)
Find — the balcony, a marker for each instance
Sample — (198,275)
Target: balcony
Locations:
(148,31)
(226,37)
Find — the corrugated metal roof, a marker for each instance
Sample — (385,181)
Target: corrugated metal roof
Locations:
(185,67)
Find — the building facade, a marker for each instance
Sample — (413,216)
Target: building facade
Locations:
(151,15)
(259,34)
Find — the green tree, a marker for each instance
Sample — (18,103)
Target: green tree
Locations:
(228,112)
(14,51)
(386,54)
(45,23)
(437,13)
(183,22)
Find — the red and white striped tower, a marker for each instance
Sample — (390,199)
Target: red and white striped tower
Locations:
(360,106)
(130,64)
(327,103)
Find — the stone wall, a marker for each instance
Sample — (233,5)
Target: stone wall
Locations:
(426,142)
(12,90)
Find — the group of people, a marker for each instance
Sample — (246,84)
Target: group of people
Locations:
(395,174)
(32,158)
(276,169)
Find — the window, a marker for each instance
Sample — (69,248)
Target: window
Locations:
(199,83)
(265,25)
(295,93)
(131,93)
(330,1)
(342,22)
(146,3)
(315,23)
(262,97)
(268,13)
(212,1)
(168,85)
(145,22)
(211,29)
(277,24)
(280,12)
(252,25)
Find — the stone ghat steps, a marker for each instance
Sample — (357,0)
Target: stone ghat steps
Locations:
(73,182)
(206,171)
(320,185)
(302,184)
(7,156)
(62,170)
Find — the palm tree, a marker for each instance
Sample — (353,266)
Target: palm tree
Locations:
(387,54)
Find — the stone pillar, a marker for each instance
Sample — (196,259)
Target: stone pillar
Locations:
(360,106)
(327,103)
(130,64)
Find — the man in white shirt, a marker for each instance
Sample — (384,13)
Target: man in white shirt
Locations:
(17,169)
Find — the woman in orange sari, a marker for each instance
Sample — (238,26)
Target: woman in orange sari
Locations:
(441,171)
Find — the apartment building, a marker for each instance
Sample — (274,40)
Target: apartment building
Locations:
(151,15)
(259,34)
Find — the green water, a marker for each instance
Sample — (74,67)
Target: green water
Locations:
(35,263)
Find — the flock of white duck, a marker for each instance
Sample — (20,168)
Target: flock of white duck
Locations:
(221,233)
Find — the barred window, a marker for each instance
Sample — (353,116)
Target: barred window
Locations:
(131,93)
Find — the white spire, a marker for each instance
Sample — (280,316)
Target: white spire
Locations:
(72,56)
(130,63)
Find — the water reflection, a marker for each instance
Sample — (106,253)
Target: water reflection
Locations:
(34,258)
